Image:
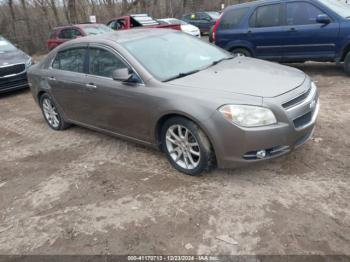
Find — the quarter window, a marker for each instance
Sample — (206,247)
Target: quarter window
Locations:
(267,16)
(70,60)
(103,62)
(232,18)
(300,13)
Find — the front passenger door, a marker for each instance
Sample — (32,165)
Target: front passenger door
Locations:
(307,39)
(116,106)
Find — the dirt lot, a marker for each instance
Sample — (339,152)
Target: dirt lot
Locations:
(81,192)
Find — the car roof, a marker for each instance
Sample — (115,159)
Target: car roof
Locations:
(257,2)
(124,35)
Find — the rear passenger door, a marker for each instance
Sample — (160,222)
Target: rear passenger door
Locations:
(266,31)
(307,39)
(66,78)
(231,32)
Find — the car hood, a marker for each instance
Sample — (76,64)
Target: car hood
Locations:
(13,57)
(245,76)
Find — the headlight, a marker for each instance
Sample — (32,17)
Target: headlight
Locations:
(29,62)
(248,116)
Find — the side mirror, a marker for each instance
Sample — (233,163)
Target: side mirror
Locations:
(122,75)
(323,19)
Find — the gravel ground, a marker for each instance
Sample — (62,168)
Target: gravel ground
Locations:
(81,192)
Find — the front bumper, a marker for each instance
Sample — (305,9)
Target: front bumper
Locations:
(12,83)
(236,146)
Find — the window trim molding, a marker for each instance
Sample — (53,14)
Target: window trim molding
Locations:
(255,13)
(70,48)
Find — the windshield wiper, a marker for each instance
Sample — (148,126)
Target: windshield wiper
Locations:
(180,75)
(220,60)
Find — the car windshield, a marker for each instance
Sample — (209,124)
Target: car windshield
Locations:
(174,55)
(6,46)
(214,15)
(96,30)
(340,8)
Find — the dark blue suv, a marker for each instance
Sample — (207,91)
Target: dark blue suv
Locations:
(287,30)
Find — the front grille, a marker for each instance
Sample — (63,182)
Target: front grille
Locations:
(303,120)
(296,100)
(13,82)
(12,70)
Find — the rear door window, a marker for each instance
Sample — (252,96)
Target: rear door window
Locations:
(267,16)
(69,33)
(301,13)
(70,60)
(232,18)
(104,63)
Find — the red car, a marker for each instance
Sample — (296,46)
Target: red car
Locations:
(137,21)
(62,34)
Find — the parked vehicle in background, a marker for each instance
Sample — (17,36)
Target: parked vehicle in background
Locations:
(203,20)
(13,67)
(197,102)
(63,34)
(138,21)
(211,36)
(288,31)
(185,27)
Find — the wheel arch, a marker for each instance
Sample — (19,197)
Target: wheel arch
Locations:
(40,93)
(345,51)
(241,44)
(161,121)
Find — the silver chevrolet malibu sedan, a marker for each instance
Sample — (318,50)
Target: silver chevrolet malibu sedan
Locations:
(199,104)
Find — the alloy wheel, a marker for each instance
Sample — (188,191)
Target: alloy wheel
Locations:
(183,147)
(50,113)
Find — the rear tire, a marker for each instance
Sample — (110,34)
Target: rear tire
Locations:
(241,52)
(186,146)
(51,113)
(347,64)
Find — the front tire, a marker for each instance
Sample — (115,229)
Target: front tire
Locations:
(51,114)
(241,52)
(347,64)
(186,146)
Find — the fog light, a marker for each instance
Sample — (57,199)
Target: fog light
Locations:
(261,154)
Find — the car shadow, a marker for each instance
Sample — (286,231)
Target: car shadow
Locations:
(14,93)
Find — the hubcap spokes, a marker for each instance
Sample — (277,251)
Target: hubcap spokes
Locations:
(50,113)
(183,147)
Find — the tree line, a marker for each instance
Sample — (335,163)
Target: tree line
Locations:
(28,22)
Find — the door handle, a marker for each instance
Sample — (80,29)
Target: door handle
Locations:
(292,29)
(91,86)
(51,78)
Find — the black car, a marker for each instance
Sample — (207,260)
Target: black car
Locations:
(13,67)
(203,20)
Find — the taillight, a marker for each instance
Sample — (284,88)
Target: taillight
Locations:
(216,28)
